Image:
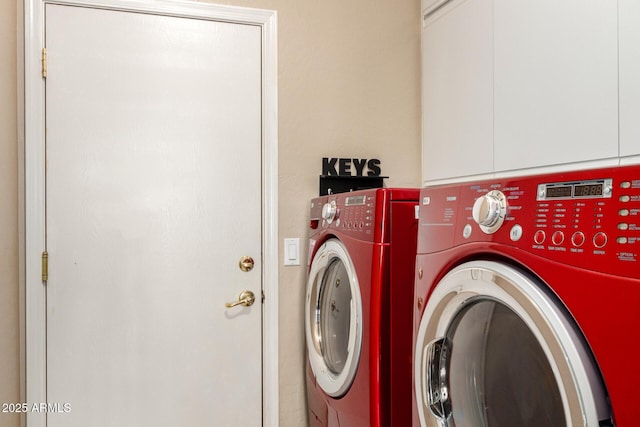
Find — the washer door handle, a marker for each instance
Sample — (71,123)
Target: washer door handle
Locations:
(436,360)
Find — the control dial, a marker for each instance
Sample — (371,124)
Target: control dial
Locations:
(490,210)
(330,211)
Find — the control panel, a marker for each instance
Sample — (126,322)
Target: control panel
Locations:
(351,214)
(360,214)
(588,219)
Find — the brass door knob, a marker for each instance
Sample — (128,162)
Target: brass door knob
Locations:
(246,298)
(246,263)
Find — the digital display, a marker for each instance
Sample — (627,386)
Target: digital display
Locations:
(558,191)
(355,201)
(587,190)
(596,188)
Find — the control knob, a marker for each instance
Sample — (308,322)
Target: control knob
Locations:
(490,210)
(330,211)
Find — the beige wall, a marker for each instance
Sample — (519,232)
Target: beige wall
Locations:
(9,331)
(349,86)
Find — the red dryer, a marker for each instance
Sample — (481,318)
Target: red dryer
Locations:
(358,321)
(527,301)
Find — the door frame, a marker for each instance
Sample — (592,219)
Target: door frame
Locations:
(31,128)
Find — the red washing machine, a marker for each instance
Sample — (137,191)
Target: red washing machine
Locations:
(358,318)
(527,302)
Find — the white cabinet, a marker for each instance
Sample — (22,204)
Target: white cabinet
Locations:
(629,77)
(511,85)
(457,88)
(555,82)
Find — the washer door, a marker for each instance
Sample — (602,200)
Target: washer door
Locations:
(494,349)
(333,316)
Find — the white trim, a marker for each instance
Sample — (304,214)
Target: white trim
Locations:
(629,160)
(32,151)
(270,339)
(21,204)
(35,342)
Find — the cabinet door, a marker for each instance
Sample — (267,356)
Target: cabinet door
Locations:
(457,89)
(556,82)
(629,77)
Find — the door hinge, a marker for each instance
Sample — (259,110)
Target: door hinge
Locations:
(45,266)
(44,62)
(262,297)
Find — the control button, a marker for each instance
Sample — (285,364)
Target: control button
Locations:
(557,238)
(490,210)
(539,237)
(466,231)
(621,240)
(606,190)
(330,211)
(516,233)
(625,184)
(599,239)
(578,238)
(625,198)
(623,226)
(623,212)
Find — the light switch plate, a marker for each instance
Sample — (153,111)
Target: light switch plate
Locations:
(292,251)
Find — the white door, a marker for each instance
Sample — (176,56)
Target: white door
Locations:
(153,194)
(556,82)
(457,89)
(629,68)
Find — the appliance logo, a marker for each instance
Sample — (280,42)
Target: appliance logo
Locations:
(343,167)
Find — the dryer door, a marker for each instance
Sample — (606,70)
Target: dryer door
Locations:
(495,349)
(333,316)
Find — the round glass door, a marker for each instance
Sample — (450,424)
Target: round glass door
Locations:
(494,349)
(499,374)
(333,318)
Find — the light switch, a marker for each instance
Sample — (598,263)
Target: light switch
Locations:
(292,251)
